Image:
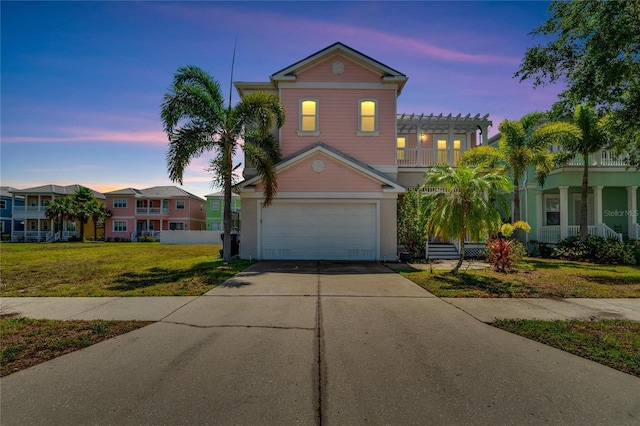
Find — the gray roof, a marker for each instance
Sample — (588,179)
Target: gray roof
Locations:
(221,194)
(56,190)
(5,191)
(156,192)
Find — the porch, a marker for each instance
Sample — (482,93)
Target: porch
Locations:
(612,212)
(42,236)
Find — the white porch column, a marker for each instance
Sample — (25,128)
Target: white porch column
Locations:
(564,212)
(450,145)
(418,146)
(597,207)
(485,135)
(539,207)
(632,211)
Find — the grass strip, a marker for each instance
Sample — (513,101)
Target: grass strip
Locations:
(614,343)
(535,278)
(27,342)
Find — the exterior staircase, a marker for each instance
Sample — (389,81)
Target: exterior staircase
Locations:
(442,251)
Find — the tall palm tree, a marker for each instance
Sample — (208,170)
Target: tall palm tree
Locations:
(60,209)
(196,120)
(583,136)
(521,152)
(466,203)
(82,197)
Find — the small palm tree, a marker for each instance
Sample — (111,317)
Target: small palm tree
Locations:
(521,151)
(98,213)
(582,137)
(59,210)
(196,120)
(466,203)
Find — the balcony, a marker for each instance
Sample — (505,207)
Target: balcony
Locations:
(602,158)
(421,157)
(152,210)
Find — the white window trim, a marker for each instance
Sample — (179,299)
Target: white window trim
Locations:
(113,226)
(122,200)
(184,207)
(306,132)
(212,208)
(3,204)
(376,132)
(544,207)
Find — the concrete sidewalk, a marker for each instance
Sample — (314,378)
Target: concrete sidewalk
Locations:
(310,343)
(157,308)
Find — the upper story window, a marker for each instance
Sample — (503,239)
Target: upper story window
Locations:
(401,145)
(3,204)
(368,118)
(308,125)
(180,205)
(119,203)
(214,205)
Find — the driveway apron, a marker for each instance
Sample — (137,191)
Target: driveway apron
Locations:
(319,343)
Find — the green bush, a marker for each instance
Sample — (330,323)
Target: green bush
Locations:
(504,254)
(146,239)
(599,250)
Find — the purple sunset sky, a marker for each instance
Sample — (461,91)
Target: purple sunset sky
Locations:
(82,82)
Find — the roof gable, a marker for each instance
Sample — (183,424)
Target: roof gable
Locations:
(387,184)
(386,73)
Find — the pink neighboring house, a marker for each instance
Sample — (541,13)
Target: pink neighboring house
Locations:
(347,157)
(147,212)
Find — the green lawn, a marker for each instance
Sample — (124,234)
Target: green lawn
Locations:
(614,343)
(112,269)
(536,278)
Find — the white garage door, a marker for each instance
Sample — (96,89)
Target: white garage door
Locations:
(309,231)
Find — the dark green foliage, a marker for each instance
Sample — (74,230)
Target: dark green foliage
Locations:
(591,46)
(599,250)
(411,222)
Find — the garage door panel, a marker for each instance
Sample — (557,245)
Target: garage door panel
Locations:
(310,231)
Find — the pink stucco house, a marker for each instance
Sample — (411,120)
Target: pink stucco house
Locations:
(138,212)
(347,157)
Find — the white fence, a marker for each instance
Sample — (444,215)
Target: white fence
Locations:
(190,237)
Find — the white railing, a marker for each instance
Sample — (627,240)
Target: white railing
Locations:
(29,209)
(152,210)
(600,158)
(414,157)
(610,233)
(549,234)
(152,234)
(574,230)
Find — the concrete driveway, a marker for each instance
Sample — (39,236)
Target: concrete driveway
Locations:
(319,343)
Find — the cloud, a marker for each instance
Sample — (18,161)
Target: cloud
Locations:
(85,135)
(286,25)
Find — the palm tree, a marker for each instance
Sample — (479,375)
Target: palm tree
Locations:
(59,209)
(521,151)
(98,213)
(196,120)
(466,203)
(82,197)
(582,137)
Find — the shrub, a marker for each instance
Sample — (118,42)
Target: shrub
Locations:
(146,239)
(504,254)
(599,250)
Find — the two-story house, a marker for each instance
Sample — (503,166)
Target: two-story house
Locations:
(553,211)
(29,214)
(347,156)
(7,201)
(147,212)
(215,212)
